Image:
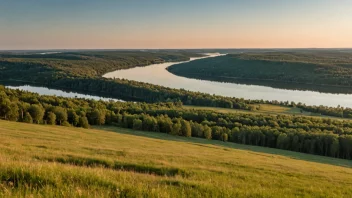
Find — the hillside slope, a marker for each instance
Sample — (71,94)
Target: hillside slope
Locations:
(52,161)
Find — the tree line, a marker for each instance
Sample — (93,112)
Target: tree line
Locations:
(328,137)
(81,72)
(288,70)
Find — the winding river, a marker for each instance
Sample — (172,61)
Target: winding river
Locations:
(56,92)
(158,75)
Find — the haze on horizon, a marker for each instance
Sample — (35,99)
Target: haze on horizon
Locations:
(121,24)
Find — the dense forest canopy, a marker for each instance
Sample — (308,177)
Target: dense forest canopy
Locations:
(295,70)
(297,133)
(81,72)
(94,63)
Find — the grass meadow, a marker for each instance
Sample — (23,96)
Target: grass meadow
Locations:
(54,161)
(265,109)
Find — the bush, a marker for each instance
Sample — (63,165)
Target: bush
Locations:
(224,137)
(137,124)
(83,122)
(207,132)
(51,118)
(65,123)
(28,118)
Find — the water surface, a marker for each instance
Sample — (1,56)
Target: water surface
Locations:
(56,92)
(158,75)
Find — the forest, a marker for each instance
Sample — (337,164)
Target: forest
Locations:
(325,71)
(81,72)
(327,137)
(92,63)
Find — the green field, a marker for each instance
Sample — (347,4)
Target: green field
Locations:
(262,109)
(265,109)
(53,161)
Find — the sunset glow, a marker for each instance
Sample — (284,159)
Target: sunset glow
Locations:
(177,24)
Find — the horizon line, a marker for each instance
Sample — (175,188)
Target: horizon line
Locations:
(67,49)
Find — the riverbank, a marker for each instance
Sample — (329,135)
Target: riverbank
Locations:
(130,90)
(157,74)
(56,92)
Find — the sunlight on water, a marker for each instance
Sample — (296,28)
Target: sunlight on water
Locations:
(55,92)
(158,75)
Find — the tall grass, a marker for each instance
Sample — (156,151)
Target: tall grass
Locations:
(116,165)
(52,161)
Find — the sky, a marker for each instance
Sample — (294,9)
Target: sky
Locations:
(157,24)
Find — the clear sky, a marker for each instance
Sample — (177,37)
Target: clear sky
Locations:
(116,24)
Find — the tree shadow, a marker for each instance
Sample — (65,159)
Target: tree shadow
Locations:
(204,142)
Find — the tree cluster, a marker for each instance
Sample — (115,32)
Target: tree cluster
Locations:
(328,137)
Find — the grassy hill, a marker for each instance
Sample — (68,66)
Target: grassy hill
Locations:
(47,161)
